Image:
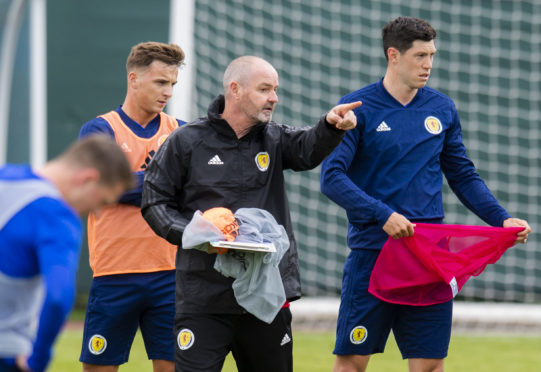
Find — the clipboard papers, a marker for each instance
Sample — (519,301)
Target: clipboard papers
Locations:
(252,247)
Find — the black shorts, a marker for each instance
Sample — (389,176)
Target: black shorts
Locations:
(204,340)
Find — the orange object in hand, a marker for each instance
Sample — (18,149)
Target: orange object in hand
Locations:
(225,220)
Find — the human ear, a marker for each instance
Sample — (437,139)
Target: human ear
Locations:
(86,175)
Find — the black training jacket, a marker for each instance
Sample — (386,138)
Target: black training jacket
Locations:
(204,165)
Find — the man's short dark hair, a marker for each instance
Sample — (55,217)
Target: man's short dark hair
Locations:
(401,32)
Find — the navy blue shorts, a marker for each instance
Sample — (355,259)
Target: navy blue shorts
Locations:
(204,340)
(118,305)
(364,321)
(8,365)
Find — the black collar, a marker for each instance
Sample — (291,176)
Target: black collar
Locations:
(215,110)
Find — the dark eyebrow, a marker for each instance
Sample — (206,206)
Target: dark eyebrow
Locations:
(163,81)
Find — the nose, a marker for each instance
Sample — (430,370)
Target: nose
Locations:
(168,92)
(428,63)
(273,97)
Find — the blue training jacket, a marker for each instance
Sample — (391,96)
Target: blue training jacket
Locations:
(40,238)
(393,161)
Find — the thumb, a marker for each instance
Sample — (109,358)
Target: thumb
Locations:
(333,118)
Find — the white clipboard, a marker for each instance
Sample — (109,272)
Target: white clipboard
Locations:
(253,247)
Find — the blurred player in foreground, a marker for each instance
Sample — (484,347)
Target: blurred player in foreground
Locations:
(387,174)
(134,277)
(233,158)
(40,236)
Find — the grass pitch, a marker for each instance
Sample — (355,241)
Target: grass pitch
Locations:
(313,353)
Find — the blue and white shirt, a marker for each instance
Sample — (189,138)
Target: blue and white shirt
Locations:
(40,238)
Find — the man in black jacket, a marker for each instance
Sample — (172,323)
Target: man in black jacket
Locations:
(233,158)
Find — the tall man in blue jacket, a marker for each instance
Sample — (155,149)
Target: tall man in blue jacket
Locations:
(387,174)
(233,158)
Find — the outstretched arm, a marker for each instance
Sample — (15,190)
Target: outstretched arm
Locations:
(464,180)
(305,148)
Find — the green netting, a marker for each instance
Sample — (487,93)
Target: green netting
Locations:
(489,62)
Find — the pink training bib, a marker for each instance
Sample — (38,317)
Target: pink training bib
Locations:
(432,266)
